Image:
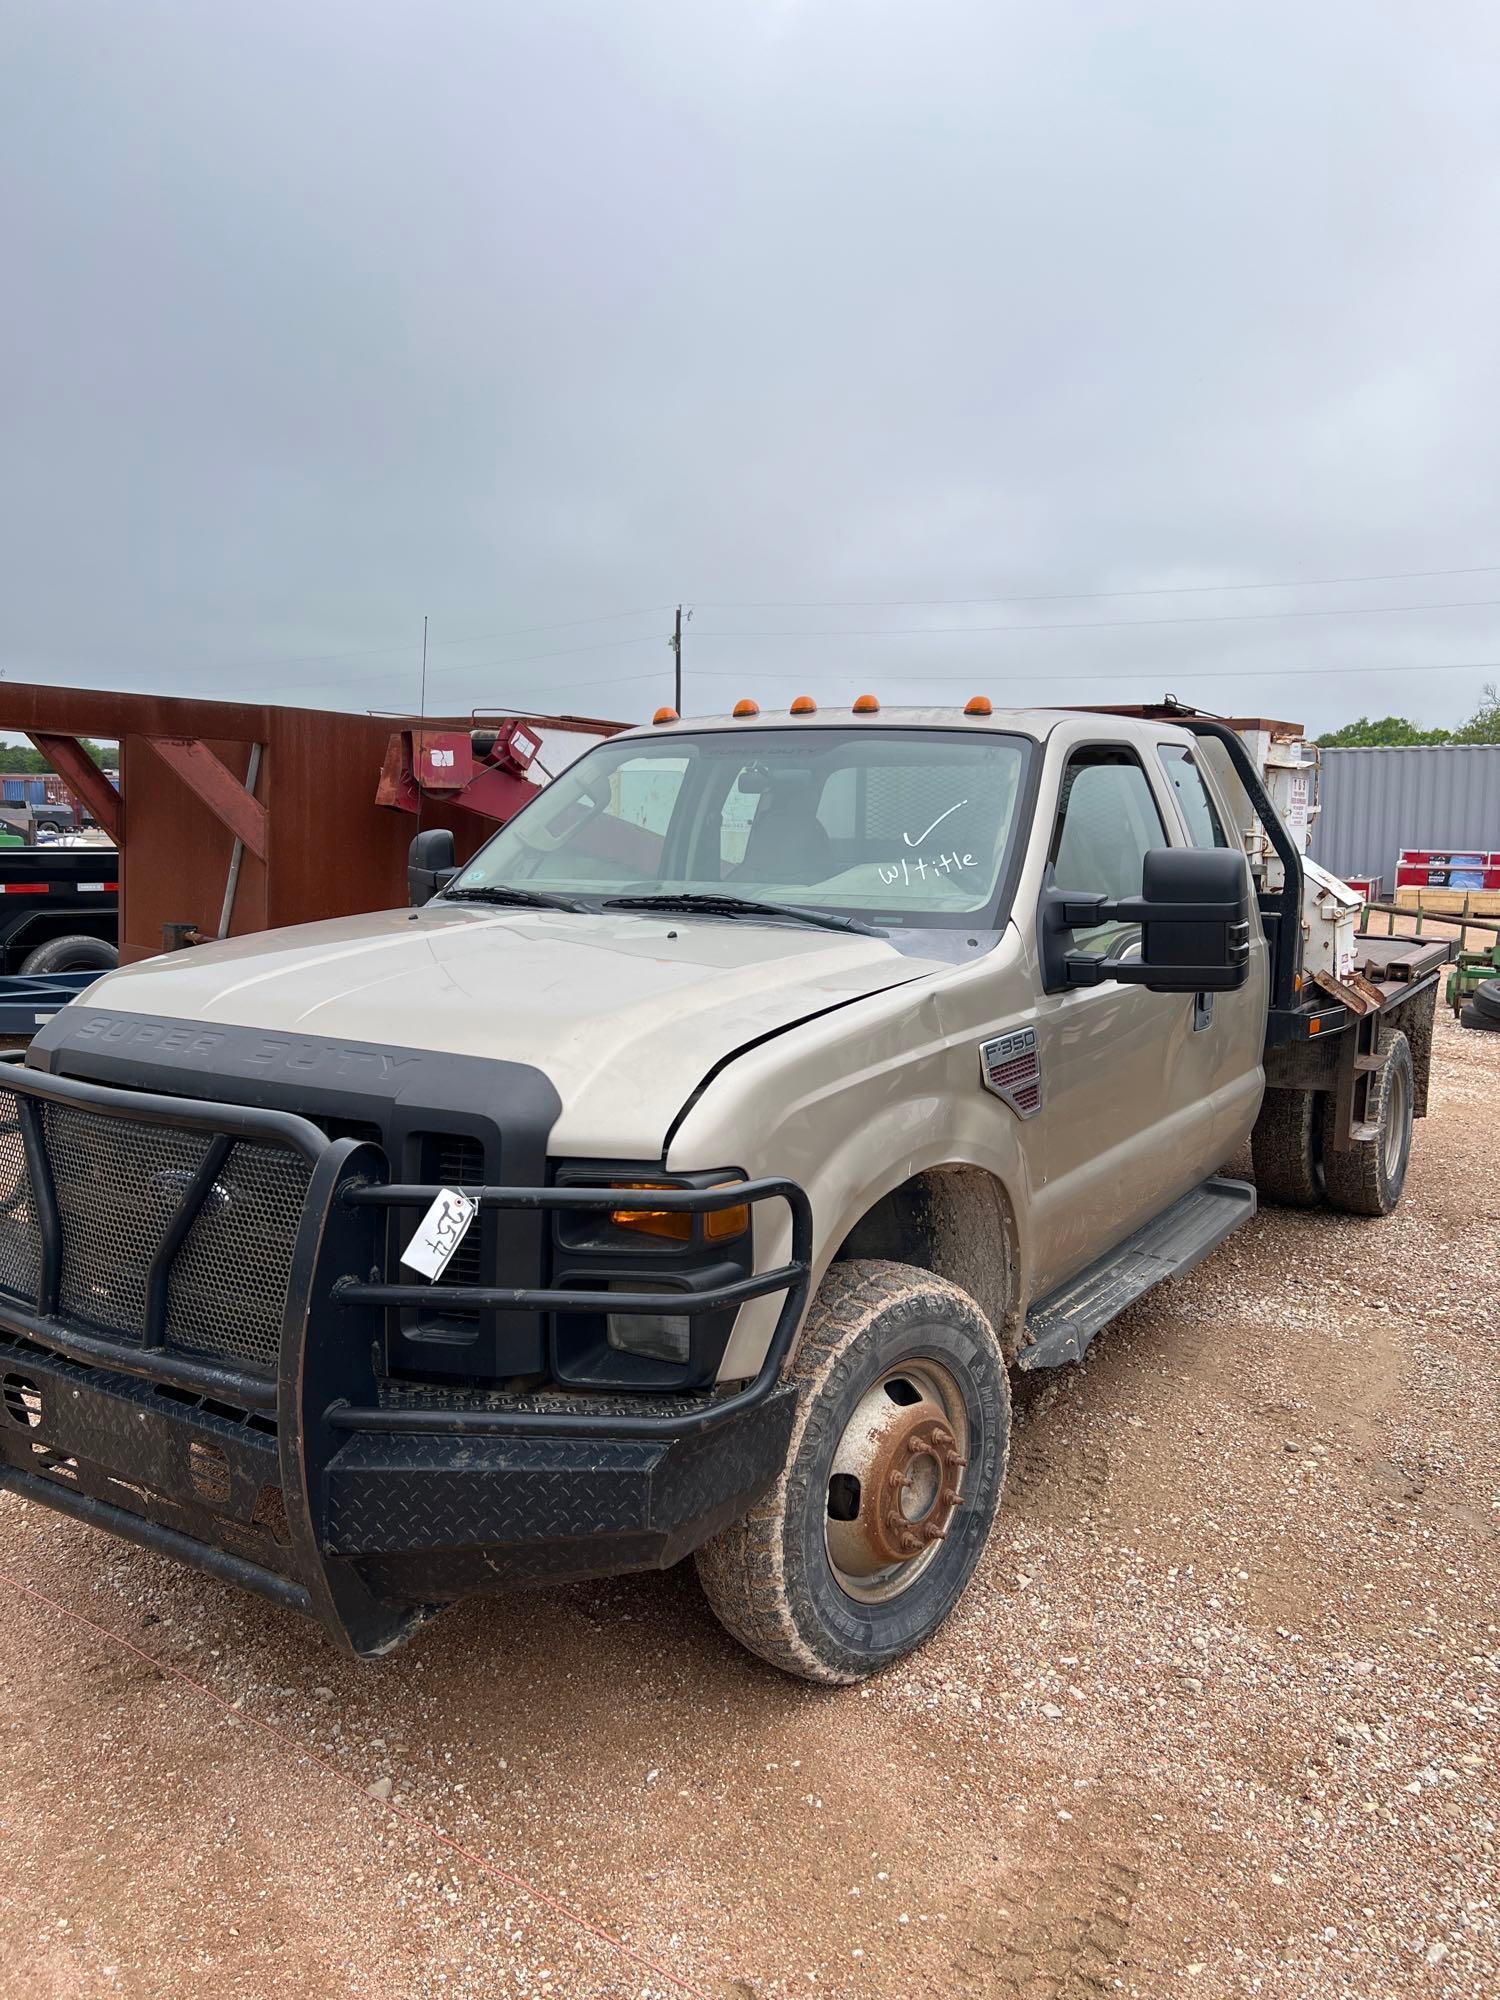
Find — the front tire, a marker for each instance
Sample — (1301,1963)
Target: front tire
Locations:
(893,1474)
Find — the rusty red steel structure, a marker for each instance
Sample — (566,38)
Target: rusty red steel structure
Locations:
(233,817)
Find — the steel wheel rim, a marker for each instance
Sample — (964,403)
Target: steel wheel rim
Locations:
(912,1422)
(1394,1139)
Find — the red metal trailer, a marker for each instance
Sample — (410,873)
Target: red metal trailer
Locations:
(1429,868)
(237,816)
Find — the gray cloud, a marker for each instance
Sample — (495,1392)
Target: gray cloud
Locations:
(323,317)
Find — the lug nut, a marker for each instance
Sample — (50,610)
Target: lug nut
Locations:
(933,1532)
(896,1480)
(914,1444)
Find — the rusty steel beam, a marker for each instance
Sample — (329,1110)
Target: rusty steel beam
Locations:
(217,786)
(83,778)
(26,705)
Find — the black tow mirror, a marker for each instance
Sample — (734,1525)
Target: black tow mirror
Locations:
(1194,914)
(429,865)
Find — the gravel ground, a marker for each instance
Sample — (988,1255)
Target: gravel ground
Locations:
(1221,1714)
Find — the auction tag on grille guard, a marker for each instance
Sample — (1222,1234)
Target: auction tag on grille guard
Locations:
(440,1232)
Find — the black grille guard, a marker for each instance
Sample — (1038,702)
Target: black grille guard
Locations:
(790,1278)
(327,1384)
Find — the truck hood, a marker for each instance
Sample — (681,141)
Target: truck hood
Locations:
(625,1014)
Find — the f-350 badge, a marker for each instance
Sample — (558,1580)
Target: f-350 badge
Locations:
(1011,1066)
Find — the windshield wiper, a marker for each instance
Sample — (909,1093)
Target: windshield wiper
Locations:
(492,892)
(741,906)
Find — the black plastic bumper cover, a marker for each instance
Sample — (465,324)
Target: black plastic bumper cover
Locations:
(319,1491)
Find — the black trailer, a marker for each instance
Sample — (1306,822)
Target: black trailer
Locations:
(59,909)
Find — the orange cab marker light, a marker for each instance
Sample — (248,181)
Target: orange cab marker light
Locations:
(979,704)
(804,705)
(866,704)
(747,707)
(665,715)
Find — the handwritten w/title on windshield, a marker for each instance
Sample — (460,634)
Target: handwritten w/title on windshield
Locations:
(943,864)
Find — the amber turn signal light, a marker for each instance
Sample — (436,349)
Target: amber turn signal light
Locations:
(720,1225)
(979,704)
(804,705)
(747,707)
(665,715)
(866,704)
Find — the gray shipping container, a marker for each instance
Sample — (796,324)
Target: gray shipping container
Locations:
(1375,802)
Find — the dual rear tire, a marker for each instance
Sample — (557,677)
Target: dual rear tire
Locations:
(1297,1163)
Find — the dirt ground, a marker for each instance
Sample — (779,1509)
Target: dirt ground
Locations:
(1220,1715)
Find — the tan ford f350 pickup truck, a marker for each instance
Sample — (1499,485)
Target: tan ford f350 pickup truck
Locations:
(687,1173)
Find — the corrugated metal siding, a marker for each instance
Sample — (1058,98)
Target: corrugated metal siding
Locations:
(1375,802)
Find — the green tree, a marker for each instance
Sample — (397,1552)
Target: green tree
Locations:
(1483,726)
(20,757)
(1385,730)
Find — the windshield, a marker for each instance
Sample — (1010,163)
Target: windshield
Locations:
(904,826)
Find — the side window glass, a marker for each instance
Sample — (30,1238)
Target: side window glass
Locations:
(1192,796)
(1107,823)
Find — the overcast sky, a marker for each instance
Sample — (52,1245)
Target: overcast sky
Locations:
(887,336)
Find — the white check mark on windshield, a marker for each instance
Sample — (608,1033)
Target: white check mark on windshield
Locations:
(935,825)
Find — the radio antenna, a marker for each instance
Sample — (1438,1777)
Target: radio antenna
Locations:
(421,725)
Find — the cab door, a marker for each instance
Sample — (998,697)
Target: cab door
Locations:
(1228,1045)
(1125,1127)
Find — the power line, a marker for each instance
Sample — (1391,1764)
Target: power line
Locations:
(561,653)
(1095,624)
(1008,671)
(1011,672)
(1076,596)
(1014,673)
(915,631)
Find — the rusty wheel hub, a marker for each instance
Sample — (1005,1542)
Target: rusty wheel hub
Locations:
(897,1480)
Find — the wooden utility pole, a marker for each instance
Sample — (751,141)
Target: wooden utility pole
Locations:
(677,662)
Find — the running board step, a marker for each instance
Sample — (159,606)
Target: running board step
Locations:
(1062,1325)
